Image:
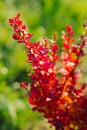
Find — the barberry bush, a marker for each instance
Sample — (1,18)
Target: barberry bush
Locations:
(55,89)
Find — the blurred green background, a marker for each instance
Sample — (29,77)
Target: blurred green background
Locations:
(42,17)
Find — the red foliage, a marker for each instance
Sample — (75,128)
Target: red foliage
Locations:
(60,98)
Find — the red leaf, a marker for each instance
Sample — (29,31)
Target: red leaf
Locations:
(68,28)
(24,84)
(66,45)
(31,101)
(17,16)
(54,47)
(11,21)
(24,27)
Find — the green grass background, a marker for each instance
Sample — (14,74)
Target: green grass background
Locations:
(42,17)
